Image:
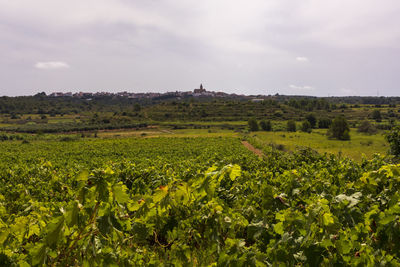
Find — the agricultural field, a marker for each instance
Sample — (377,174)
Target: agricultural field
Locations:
(183,200)
(360,146)
(189,183)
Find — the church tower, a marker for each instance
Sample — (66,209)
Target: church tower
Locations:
(200,90)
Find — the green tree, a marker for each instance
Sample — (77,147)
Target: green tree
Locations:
(291,126)
(366,127)
(376,115)
(266,125)
(312,120)
(306,127)
(339,129)
(253,125)
(324,123)
(137,107)
(393,137)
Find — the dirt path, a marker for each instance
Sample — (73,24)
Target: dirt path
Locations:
(166,131)
(250,147)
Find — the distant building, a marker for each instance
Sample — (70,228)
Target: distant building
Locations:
(57,94)
(201,90)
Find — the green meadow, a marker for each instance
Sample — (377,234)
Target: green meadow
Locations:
(359,146)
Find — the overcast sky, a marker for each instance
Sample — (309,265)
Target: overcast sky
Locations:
(312,47)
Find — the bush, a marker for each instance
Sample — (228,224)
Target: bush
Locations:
(393,137)
(266,125)
(67,139)
(376,115)
(339,129)
(366,143)
(324,123)
(278,114)
(366,127)
(4,137)
(312,120)
(253,125)
(15,116)
(384,126)
(306,127)
(279,147)
(291,126)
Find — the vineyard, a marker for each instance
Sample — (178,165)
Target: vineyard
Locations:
(193,202)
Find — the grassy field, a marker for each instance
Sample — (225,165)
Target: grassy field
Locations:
(356,148)
(359,146)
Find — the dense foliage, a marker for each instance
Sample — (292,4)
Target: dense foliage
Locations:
(367,127)
(266,125)
(253,125)
(312,119)
(339,129)
(291,126)
(61,114)
(306,126)
(393,137)
(200,201)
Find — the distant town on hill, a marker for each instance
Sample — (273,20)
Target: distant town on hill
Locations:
(203,93)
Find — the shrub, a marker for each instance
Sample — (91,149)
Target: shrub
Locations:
(291,126)
(384,126)
(366,143)
(4,137)
(67,139)
(339,129)
(279,147)
(324,123)
(376,115)
(253,125)
(278,114)
(393,137)
(312,120)
(266,125)
(366,127)
(306,127)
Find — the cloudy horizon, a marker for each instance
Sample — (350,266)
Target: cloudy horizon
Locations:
(311,47)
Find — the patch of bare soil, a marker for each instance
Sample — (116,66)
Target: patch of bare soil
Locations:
(250,147)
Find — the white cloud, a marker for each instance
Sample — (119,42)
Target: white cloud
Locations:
(51,65)
(301,88)
(302,59)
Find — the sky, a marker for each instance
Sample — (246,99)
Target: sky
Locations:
(307,47)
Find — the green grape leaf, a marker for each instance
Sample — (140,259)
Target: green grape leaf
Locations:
(345,246)
(34,229)
(3,235)
(53,230)
(235,172)
(387,219)
(38,253)
(278,228)
(327,219)
(71,215)
(83,176)
(104,224)
(160,193)
(119,191)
